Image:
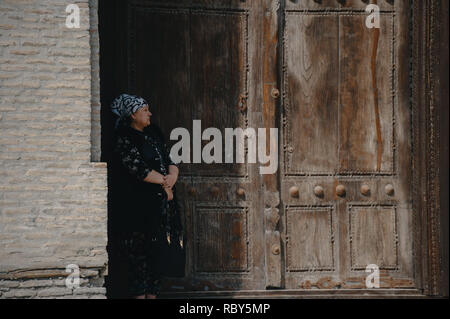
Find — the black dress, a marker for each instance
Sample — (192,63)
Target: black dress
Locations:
(143,216)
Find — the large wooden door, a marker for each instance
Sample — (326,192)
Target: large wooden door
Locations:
(339,94)
(346,150)
(192,60)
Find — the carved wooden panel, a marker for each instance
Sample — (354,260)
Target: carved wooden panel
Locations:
(339,94)
(367,89)
(373,237)
(218,71)
(221,239)
(311,105)
(309,237)
(204,77)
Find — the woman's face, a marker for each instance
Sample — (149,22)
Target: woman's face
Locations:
(142,117)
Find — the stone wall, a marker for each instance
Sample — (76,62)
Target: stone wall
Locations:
(53,197)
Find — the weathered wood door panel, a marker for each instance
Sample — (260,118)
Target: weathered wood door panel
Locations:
(192,60)
(346,145)
(341,199)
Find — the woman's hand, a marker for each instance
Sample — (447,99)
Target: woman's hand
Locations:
(156,178)
(169,193)
(170,180)
(172,177)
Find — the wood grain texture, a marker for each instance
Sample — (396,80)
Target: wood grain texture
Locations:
(366,101)
(312,103)
(309,239)
(269,47)
(221,240)
(373,237)
(344,125)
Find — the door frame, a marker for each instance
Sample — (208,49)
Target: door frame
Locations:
(429,29)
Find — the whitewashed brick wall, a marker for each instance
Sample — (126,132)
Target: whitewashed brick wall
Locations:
(53,198)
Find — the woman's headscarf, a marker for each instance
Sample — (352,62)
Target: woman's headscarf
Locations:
(126,104)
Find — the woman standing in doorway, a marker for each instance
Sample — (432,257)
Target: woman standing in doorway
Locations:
(147,218)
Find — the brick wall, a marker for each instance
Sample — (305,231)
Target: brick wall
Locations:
(53,199)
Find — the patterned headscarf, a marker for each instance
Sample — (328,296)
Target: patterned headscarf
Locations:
(125,105)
